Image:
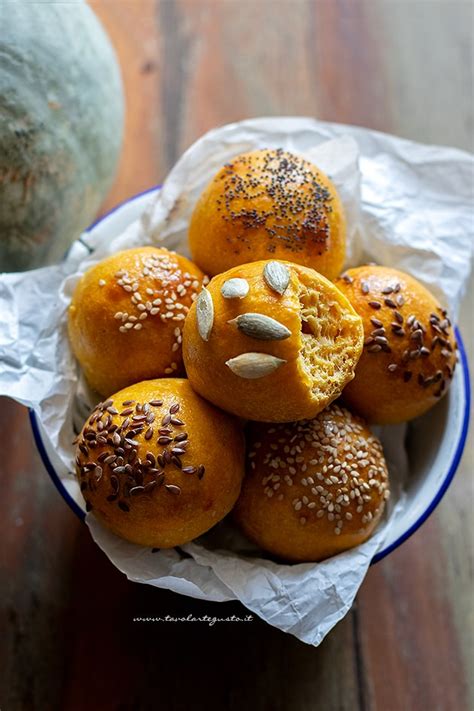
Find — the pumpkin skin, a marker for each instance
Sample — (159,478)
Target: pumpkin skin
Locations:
(61,126)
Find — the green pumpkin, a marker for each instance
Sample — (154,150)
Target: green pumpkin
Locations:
(61,125)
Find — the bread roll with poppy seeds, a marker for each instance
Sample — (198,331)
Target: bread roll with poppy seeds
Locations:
(409,352)
(126,316)
(269,204)
(313,488)
(158,465)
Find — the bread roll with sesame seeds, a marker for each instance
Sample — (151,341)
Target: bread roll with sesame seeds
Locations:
(409,349)
(149,462)
(269,204)
(271,341)
(313,488)
(126,316)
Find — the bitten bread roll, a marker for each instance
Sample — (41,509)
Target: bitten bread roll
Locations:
(271,341)
(158,465)
(127,314)
(313,488)
(409,350)
(269,204)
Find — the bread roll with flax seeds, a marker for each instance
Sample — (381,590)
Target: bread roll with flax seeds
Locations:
(149,463)
(409,352)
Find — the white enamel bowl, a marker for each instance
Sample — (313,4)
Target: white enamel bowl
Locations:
(435,442)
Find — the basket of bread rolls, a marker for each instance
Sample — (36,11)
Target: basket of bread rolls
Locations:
(248,372)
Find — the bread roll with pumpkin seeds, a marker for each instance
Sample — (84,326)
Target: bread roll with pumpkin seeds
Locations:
(127,314)
(271,341)
(149,462)
(313,488)
(409,349)
(269,204)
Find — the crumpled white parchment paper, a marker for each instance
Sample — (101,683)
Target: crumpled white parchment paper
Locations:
(408,205)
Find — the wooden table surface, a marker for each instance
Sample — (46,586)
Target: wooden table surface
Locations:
(68,641)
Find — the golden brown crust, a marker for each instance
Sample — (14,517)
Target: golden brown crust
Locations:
(410,349)
(313,488)
(149,462)
(310,370)
(269,204)
(126,317)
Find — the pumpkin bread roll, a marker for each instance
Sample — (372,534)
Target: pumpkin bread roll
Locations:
(269,204)
(271,341)
(313,488)
(126,317)
(149,462)
(409,352)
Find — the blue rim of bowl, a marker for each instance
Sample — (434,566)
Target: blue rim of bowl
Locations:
(378,556)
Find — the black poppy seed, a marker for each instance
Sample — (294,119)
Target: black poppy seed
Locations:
(388,290)
(375,348)
(376,322)
(181,437)
(392,367)
(174,408)
(407,376)
(398,316)
(106,404)
(201,471)
(368,341)
(390,303)
(126,412)
(136,490)
(375,305)
(166,420)
(149,433)
(124,506)
(176,461)
(425,352)
(161,460)
(378,332)
(164,440)
(364,286)
(128,402)
(131,442)
(156,403)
